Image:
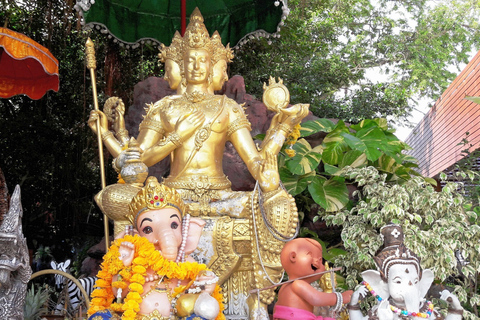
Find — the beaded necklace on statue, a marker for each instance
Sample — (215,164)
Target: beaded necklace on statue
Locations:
(398,311)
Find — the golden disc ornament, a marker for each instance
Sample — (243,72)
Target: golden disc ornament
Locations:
(275,96)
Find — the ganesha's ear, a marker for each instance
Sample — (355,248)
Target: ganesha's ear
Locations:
(194,232)
(374,279)
(426,282)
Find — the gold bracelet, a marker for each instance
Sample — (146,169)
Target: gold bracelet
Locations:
(151,124)
(122,133)
(175,139)
(284,127)
(106,135)
(238,124)
(114,165)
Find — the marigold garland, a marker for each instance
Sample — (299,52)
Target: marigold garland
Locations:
(292,139)
(133,277)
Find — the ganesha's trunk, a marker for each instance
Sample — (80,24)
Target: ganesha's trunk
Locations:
(169,246)
(412,301)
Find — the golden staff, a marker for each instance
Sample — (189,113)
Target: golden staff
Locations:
(92,65)
(300,278)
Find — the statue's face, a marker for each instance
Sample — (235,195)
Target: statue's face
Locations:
(403,284)
(197,66)
(163,228)
(172,73)
(219,74)
(304,260)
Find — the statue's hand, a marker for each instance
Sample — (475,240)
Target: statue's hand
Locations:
(126,250)
(268,176)
(206,281)
(384,311)
(347,296)
(293,115)
(92,121)
(360,292)
(128,154)
(188,125)
(119,119)
(451,299)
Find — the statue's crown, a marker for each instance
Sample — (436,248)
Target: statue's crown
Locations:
(196,37)
(154,196)
(174,51)
(394,251)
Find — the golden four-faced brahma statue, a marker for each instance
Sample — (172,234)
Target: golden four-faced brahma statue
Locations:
(244,231)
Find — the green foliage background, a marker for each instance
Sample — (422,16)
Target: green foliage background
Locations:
(327,47)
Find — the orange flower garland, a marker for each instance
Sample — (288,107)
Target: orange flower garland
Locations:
(133,277)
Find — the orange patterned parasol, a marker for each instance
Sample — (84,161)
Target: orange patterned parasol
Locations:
(25,66)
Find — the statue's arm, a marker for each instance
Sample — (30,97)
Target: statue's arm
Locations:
(109,140)
(260,168)
(314,297)
(353,307)
(455,309)
(281,126)
(238,133)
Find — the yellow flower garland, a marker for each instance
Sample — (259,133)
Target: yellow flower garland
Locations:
(292,139)
(133,277)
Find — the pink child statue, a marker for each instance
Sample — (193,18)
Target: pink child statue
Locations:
(302,257)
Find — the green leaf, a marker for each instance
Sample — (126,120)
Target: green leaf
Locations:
(336,134)
(333,152)
(306,159)
(474,99)
(260,136)
(332,195)
(368,143)
(367,123)
(353,158)
(314,126)
(332,170)
(295,184)
(334,144)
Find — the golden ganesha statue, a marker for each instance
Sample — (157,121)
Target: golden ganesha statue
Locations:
(244,231)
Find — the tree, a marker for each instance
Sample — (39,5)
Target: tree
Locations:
(326,48)
(46,145)
(436,227)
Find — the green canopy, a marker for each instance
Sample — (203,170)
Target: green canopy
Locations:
(131,21)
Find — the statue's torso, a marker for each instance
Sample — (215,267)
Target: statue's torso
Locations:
(202,153)
(156,296)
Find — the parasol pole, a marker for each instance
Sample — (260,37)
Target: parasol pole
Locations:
(92,65)
(183,16)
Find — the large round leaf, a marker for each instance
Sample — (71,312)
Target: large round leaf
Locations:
(306,159)
(368,140)
(295,184)
(353,158)
(314,126)
(333,152)
(332,195)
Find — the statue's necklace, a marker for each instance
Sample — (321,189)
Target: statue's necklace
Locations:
(400,311)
